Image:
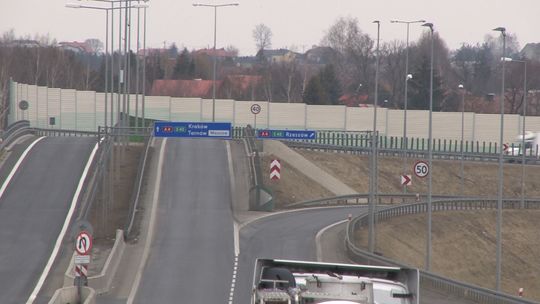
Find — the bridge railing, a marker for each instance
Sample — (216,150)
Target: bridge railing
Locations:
(437,282)
(358,142)
(137,187)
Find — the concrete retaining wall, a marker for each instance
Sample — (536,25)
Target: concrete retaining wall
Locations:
(301,164)
(69,295)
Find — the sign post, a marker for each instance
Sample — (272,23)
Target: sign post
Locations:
(255,109)
(83,246)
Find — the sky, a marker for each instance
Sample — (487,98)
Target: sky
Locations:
(295,24)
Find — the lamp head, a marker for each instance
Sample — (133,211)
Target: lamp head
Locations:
(428,24)
(409,76)
(500,29)
(461,86)
(377,21)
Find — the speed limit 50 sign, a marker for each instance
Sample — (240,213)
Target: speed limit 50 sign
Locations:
(421,169)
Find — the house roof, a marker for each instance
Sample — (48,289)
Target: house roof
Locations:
(243,82)
(184,88)
(220,53)
(531,51)
(23,43)
(76,46)
(150,52)
(278,52)
(354,100)
(320,54)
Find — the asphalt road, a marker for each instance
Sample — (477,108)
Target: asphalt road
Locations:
(283,236)
(33,210)
(192,252)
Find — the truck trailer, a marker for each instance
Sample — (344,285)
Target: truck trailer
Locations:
(298,282)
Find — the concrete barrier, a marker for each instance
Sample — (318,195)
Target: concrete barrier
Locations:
(101,282)
(69,295)
(308,168)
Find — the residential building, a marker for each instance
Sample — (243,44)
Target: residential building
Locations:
(184,88)
(75,46)
(531,51)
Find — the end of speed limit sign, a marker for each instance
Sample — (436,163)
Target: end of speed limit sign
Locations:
(421,169)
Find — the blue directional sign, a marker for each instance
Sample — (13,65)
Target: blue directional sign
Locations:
(286,134)
(193,129)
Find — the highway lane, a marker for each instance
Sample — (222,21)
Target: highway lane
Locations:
(284,236)
(192,251)
(33,209)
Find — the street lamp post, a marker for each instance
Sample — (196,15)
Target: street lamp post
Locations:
(75,5)
(462,88)
(501,150)
(215,6)
(430,151)
(107,9)
(374,136)
(404,140)
(524,114)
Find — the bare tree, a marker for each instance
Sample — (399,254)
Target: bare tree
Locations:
(262,35)
(95,45)
(393,70)
(354,62)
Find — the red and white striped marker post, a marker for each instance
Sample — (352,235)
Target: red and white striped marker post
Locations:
(275,169)
(81,271)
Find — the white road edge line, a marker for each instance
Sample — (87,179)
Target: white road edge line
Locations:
(151,226)
(233,196)
(17,164)
(319,235)
(56,248)
(236,230)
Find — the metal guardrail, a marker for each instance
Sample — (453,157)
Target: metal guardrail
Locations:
(360,143)
(258,190)
(361,198)
(135,195)
(97,171)
(15,131)
(411,153)
(446,285)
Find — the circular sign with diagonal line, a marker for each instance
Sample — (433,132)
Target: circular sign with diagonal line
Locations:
(83,243)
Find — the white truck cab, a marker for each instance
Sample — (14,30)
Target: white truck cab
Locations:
(532,143)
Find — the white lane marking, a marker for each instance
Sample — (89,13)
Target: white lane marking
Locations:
(17,164)
(236,240)
(319,235)
(236,229)
(151,225)
(45,272)
(233,197)
(233,281)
